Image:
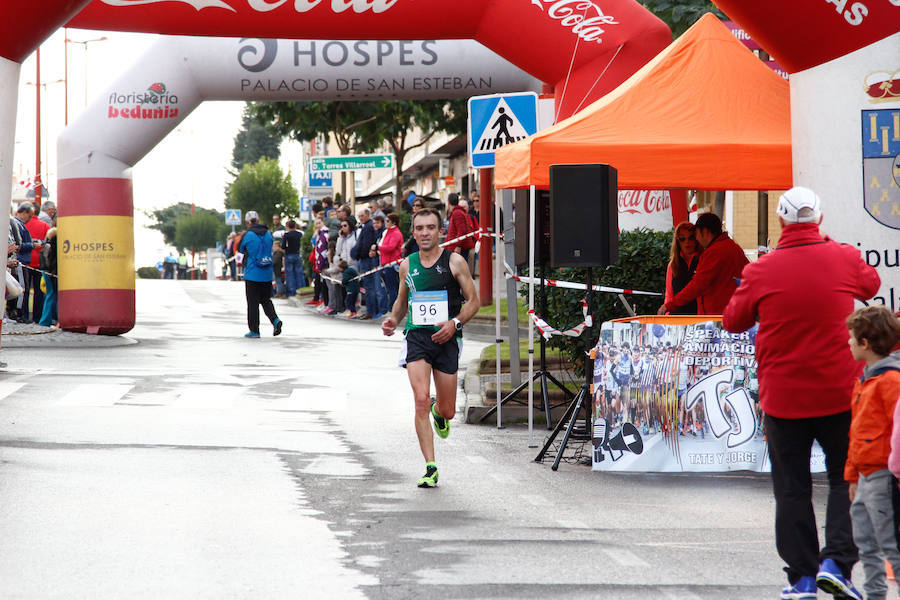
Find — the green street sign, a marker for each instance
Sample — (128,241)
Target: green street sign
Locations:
(356,162)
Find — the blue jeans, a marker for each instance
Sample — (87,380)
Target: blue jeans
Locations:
(49,314)
(391,279)
(376,295)
(294,277)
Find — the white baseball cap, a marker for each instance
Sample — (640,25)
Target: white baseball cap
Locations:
(251,215)
(793,201)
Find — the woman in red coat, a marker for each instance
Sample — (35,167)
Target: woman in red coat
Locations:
(389,249)
(683,258)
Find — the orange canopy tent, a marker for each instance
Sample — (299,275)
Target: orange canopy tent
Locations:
(703,114)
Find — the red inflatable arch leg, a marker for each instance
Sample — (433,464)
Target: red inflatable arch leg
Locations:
(96,255)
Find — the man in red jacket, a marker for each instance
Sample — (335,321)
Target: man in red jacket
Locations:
(459,225)
(801,294)
(719,267)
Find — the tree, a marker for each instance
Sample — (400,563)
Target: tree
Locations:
(167,219)
(305,121)
(366,126)
(679,15)
(264,188)
(396,119)
(254,141)
(200,230)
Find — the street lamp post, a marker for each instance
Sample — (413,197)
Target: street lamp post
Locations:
(85,44)
(38,183)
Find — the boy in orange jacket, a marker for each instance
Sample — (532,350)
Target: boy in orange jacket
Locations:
(873,489)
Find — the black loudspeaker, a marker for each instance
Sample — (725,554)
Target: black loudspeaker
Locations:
(584,216)
(541,227)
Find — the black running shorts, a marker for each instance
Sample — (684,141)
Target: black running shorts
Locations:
(418,345)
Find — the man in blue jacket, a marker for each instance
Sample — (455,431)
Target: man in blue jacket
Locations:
(256,246)
(376,294)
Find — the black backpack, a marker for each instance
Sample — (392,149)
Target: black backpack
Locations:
(44,257)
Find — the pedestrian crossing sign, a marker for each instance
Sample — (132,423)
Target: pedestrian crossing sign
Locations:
(497,120)
(232,216)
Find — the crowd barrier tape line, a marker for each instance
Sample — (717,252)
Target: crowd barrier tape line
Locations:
(548,331)
(38,270)
(511,274)
(482,232)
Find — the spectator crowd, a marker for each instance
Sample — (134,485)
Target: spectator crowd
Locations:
(31,264)
(351,260)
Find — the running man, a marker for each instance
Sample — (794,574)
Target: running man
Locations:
(433,284)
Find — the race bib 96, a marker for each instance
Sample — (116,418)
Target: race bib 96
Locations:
(429,308)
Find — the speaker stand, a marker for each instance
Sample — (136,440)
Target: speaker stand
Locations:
(542,373)
(581,401)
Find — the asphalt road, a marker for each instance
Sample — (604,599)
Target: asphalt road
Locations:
(195,463)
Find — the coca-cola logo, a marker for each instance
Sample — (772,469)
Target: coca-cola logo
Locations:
(269,50)
(583,17)
(300,6)
(644,201)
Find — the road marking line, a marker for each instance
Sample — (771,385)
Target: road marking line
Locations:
(9,387)
(624,558)
(571,524)
(95,394)
(318,399)
(535,499)
(478,460)
(678,594)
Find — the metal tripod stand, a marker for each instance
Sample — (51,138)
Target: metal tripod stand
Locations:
(579,402)
(541,374)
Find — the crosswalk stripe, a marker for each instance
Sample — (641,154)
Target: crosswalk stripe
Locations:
(8,388)
(624,558)
(95,394)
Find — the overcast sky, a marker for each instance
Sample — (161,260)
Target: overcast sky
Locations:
(189,165)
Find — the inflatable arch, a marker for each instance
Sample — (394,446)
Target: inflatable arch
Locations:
(585,47)
(96,152)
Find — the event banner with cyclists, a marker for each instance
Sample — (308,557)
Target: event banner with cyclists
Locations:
(675,395)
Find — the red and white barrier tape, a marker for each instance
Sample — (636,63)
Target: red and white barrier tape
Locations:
(442,245)
(548,331)
(510,274)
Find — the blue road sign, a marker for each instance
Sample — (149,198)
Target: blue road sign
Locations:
(319,179)
(304,205)
(497,120)
(232,216)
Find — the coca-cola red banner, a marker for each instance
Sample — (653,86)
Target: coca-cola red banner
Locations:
(804,33)
(601,41)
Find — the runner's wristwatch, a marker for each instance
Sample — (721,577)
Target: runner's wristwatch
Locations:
(457,323)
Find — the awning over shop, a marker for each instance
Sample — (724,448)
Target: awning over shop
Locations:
(703,114)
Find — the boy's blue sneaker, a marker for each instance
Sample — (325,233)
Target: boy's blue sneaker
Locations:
(831,579)
(803,589)
(277,324)
(251,334)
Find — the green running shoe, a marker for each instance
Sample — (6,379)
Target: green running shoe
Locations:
(441,425)
(430,479)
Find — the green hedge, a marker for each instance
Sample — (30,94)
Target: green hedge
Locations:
(149,273)
(643,256)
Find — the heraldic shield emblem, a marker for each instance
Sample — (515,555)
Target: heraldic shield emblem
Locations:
(881,165)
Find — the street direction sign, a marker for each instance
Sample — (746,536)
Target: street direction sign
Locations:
(355,162)
(497,120)
(232,216)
